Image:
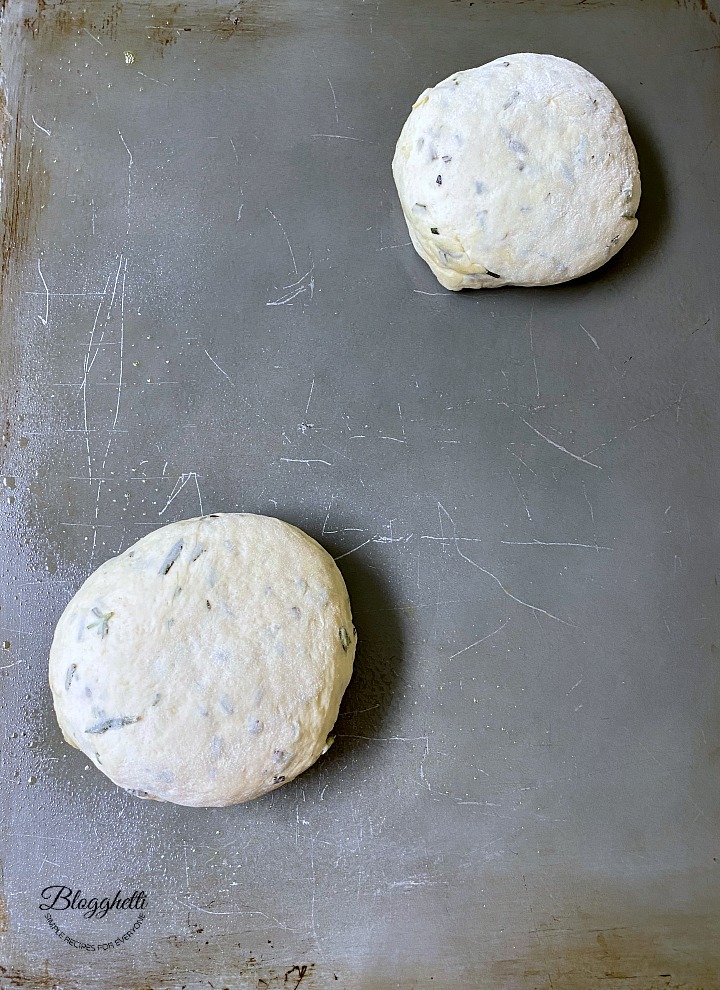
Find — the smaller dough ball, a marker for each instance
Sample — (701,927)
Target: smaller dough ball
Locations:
(520,172)
(205,665)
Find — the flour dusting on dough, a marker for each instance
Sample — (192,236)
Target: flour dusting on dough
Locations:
(520,172)
(211,663)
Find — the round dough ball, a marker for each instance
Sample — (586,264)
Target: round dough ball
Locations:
(520,172)
(205,665)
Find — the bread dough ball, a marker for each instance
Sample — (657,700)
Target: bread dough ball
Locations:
(205,665)
(520,172)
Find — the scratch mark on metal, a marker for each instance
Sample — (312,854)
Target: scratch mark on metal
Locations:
(589,335)
(325,530)
(126,147)
(519,458)
(542,543)
(451,539)
(628,430)
(337,118)
(130,165)
(47,297)
(360,711)
(344,735)
(576,457)
(532,350)
(312,386)
(286,299)
(524,502)
(312,898)
(678,402)
(354,549)
(183,479)
(153,79)
(484,570)
(340,137)
(304,286)
(479,641)
(402,425)
(592,514)
(305,460)
(224,914)
(122,349)
(40,126)
(93,37)
(224,373)
(391,247)
(287,240)
(86,369)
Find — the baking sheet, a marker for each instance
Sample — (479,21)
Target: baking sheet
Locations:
(209,303)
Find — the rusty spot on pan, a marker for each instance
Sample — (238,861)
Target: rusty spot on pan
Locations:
(703,5)
(15,977)
(32,22)
(24,183)
(665,958)
(166,22)
(106,24)
(245,19)
(66,17)
(5,438)
(164,34)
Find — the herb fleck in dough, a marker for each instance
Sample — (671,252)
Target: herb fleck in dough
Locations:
(206,664)
(520,172)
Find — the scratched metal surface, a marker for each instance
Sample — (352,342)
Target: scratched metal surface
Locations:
(209,303)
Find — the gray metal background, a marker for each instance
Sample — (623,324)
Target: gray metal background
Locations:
(520,487)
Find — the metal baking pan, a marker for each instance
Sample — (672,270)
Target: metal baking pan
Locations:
(209,303)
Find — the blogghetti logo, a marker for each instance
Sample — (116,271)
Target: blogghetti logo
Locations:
(66,910)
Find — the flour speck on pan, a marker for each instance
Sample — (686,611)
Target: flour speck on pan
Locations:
(520,172)
(206,664)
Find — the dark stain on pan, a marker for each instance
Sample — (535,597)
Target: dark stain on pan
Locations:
(165,34)
(166,22)
(33,21)
(65,22)
(297,971)
(6,150)
(11,210)
(246,19)
(25,184)
(108,24)
(4,913)
(43,980)
(554,956)
(66,18)
(703,5)
(299,976)
(6,414)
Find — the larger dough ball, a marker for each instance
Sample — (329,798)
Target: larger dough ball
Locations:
(520,172)
(205,665)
